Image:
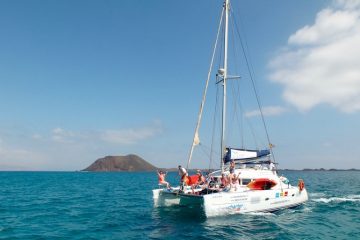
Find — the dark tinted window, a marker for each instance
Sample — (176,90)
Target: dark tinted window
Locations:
(246,181)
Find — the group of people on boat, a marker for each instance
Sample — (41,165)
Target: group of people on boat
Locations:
(231,180)
(185,180)
(204,182)
(193,180)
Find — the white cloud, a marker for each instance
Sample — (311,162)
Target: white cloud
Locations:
(37,136)
(117,136)
(130,136)
(321,63)
(15,154)
(18,158)
(348,3)
(64,149)
(62,136)
(267,111)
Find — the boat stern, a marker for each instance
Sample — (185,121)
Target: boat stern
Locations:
(165,197)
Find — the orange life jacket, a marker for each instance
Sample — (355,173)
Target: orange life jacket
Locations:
(193,179)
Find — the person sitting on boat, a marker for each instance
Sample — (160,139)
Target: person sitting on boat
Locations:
(161,177)
(183,174)
(272,167)
(234,181)
(284,180)
(201,178)
(223,181)
(211,182)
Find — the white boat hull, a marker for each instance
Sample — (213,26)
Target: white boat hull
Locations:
(165,198)
(233,202)
(252,201)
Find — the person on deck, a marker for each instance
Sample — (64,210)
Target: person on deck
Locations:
(201,179)
(234,181)
(284,180)
(224,181)
(161,177)
(183,175)
(272,167)
(232,167)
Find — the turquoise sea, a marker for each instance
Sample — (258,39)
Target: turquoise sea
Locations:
(84,205)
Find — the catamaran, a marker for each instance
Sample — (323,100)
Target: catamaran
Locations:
(255,185)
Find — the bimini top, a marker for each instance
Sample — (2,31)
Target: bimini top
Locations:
(244,154)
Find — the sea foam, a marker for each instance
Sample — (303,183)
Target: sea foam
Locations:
(350,198)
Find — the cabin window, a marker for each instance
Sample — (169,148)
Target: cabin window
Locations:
(245,181)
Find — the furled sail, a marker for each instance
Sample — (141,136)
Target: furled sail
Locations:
(196,139)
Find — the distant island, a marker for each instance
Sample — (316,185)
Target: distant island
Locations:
(128,163)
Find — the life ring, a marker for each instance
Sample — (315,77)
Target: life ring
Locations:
(301,184)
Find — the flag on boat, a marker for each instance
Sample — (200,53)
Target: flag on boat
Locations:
(244,154)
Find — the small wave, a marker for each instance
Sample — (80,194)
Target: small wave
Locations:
(260,214)
(350,198)
(307,209)
(354,196)
(317,194)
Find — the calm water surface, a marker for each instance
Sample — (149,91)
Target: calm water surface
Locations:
(79,205)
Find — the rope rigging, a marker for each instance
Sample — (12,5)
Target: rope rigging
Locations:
(196,137)
(238,108)
(251,74)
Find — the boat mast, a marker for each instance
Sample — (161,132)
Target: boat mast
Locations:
(227,6)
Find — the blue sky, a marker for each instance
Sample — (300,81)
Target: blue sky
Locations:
(81,80)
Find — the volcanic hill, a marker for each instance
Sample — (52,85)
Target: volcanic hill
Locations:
(128,163)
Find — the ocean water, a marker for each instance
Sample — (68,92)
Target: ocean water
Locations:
(84,205)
